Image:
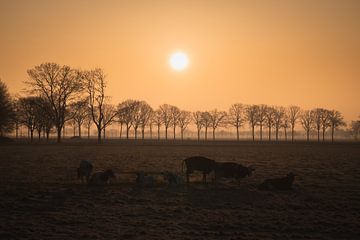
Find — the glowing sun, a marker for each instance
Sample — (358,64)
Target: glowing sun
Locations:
(179,61)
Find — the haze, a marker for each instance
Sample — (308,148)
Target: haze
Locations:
(275,52)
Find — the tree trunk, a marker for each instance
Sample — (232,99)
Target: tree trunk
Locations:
(99,134)
(121,126)
(292,134)
(332,134)
(198,133)
(323,135)
(318,134)
(79,129)
(269,133)
(307,135)
(174,132)
(206,133)
(253,133)
(158,132)
(47,135)
(142,133)
(166,130)
(31,135)
(39,135)
(104,133)
(151,133)
(277,134)
(261,132)
(213,134)
(59,134)
(285,134)
(88,132)
(237,133)
(127,131)
(182,134)
(135,129)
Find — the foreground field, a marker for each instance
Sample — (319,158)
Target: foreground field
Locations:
(41,198)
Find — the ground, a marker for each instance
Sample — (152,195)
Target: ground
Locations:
(42,199)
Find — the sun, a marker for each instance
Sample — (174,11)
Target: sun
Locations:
(179,61)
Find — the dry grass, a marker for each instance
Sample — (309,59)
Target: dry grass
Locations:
(41,198)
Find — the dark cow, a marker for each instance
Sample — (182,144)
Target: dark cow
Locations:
(101,178)
(84,170)
(232,170)
(284,183)
(198,163)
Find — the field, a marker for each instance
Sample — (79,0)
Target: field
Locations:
(42,199)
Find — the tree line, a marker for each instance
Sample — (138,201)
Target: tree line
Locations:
(61,94)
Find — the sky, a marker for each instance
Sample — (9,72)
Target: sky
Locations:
(275,52)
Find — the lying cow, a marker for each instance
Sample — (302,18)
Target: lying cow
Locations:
(232,170)
(84,170)
(144,180)
(198,163)
(284,183)
(172,178)
(101,178)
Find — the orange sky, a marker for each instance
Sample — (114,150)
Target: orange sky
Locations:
(275,52)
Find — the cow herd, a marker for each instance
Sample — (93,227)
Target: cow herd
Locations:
(220,170)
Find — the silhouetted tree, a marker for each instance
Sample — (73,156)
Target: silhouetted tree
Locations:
(286,124)
(262,117)
(206,121)
(29,113)
(126,111)
(184,120)
(59,85)
(279,115)
(165,110)
(307,122)
(355,129)
(88,122)
(7,113)
(197,117)
(317,121)
(145,112)
(157,119)
(269,119)
(110,113)
(325,122)
(236,117)
(251,112)
(216,119)
(79,111)
(336,120)
(174,115)
(294,113)
(95,88)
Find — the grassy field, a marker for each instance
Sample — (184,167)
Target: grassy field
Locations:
(42,199)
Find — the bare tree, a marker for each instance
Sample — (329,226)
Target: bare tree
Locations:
(157,119)
(269,119)
(88,122)
(206,121)
(262,117)
(165,110)
(251,112)
(325,122)
(7,113)
(126,110)
(294,113)
(95,87)
(59,85)
(307,121)
(29,113)
(197,117)
(79,112)
(336,120)
(236,117)
(279,117)
(355,129)
(317,121)
(174,115)
(110,114)
(285,124)
(217,119)
(145,116)
(184,120)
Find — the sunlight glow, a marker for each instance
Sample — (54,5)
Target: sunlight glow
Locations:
(179,61)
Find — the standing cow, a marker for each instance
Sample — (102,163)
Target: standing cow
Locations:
(198,163)
(84,170)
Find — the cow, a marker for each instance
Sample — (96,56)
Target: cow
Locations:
(101,178)
(84,170)
(232,170)
(198,163)
(172,178)
(283,183)
(143,179)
